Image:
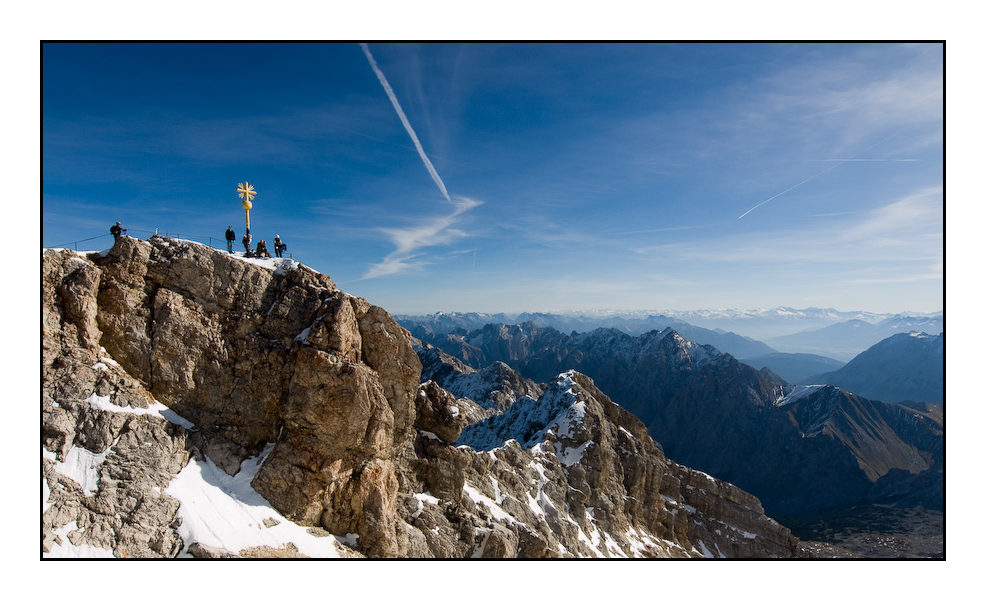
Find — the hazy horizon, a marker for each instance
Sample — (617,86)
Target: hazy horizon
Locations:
(607,311)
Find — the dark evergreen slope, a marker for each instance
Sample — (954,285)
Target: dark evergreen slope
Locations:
(810,449)
(904,367)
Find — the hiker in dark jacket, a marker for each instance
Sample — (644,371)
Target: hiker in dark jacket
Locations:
(230,236)
(246,242)
(262,249)
(116,230)
(278,245)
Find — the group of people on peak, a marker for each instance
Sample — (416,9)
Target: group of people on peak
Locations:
(261,250)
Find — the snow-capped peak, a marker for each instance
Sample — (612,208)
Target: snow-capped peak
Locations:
(798,392)
(688,351)
(528,420)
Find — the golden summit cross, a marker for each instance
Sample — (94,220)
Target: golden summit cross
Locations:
(246,192)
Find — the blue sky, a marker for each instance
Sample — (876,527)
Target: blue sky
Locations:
(584,176)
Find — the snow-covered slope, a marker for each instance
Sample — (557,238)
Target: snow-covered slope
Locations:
(528,420)
(218,514)
(223,512)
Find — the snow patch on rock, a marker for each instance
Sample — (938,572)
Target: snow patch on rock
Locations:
(223,511)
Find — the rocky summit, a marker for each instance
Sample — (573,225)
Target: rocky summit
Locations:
(199,403)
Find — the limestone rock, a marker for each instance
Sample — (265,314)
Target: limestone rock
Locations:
(207,552)
(250,355)
(439,413)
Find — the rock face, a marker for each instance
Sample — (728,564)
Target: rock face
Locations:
(250,354)
(105,464)
(158,352)
(572,473)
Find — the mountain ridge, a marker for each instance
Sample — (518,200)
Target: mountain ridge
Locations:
(758,324)
(902,367)
(689,394)
(315,397)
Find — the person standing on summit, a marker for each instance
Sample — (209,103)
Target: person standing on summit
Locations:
(116,230)
(230,236)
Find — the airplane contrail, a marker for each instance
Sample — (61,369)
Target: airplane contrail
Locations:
(835,164)
(763,202)
(405,122)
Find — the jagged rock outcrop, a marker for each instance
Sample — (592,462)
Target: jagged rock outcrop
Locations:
(572,473)
(439,413)
(166,359)
(250,355)
(492,389)
(105,464)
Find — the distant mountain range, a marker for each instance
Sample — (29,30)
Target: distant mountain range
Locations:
(903,367)
(748,335)
(764,324)
(845,340)
(758,324)
(445,323)
(800,450)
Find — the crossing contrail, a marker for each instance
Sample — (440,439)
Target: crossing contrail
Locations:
(405,122)
(801,183)
(835,163)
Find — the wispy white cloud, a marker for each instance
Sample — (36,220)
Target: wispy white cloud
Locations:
(407,124)
(908,229)
(835,163)
(822,108)
(408,241)
(913,215)
(432,232)
(834,214)
(847,99)
(905,279)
